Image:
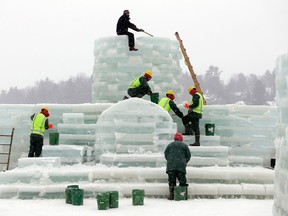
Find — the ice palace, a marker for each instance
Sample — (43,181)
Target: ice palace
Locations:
(118,145)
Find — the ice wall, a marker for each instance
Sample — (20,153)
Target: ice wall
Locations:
(281,170)
(133,126)
(247,131)
(18,116)
(115,66)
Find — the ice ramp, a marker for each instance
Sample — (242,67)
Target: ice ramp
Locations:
(209,182)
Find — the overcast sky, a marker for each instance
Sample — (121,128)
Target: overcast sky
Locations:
(54,38)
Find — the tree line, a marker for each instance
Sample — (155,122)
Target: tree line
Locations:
(249,89)
(75,90)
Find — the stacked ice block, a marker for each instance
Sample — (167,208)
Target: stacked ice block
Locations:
(131,129)
(115,67)
(281,170)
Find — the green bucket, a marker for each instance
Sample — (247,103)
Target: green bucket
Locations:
(113,199)
(53,138)
(68,193)
(209,129)
(181,193)
(103,200)
(77,196)
(138,197)
(154,97)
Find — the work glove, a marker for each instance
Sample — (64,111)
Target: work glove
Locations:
(50,126)
(186,105)
(140,30)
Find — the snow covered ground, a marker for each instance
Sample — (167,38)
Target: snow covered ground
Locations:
(157,207)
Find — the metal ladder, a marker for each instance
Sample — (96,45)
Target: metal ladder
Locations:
(5,145)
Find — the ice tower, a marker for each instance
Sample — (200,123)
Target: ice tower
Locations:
(115,67)
(281,170)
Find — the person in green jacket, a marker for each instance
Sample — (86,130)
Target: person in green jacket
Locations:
(177,155)
(39,124)
(168,103)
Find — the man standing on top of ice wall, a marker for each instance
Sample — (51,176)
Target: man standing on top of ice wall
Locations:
(122,29)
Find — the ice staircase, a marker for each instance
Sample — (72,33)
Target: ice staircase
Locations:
(223,166)
(46,178)
(209,173)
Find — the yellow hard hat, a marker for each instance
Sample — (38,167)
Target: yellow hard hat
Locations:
(45,108)
(191,87)
(170,92)
(149,73)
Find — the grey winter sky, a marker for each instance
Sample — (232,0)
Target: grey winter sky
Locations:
(54,38)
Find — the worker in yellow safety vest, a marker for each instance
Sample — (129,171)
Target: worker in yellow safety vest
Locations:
(39,124)
(168,103)
(139,87)
(191,120)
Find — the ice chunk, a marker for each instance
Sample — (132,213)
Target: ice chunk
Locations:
(72,118)
(40,161)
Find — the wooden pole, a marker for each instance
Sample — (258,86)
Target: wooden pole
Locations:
(148,34)
(187,62)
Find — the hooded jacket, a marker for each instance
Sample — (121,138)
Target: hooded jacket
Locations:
(177,155)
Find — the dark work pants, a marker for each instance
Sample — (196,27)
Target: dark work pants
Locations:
(131,40)
(36,144)
(193,122)
(138,92)
(173,175)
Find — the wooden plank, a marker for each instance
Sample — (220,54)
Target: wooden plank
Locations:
(187,62)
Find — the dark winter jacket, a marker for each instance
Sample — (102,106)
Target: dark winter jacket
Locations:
(195,100)
(123,24)
(177,155)
(175,109)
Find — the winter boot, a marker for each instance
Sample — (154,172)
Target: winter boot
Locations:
(171,193)
(197,141)
(188,130)
(133,49)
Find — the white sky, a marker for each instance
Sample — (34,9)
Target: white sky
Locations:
(54,38)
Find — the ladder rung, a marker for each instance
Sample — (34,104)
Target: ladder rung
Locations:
(8,154)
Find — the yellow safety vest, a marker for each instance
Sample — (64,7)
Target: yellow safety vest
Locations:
(135,83)
(199,109)
(38,124)
(164,102)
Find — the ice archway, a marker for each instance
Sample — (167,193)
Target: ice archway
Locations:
(133,126)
